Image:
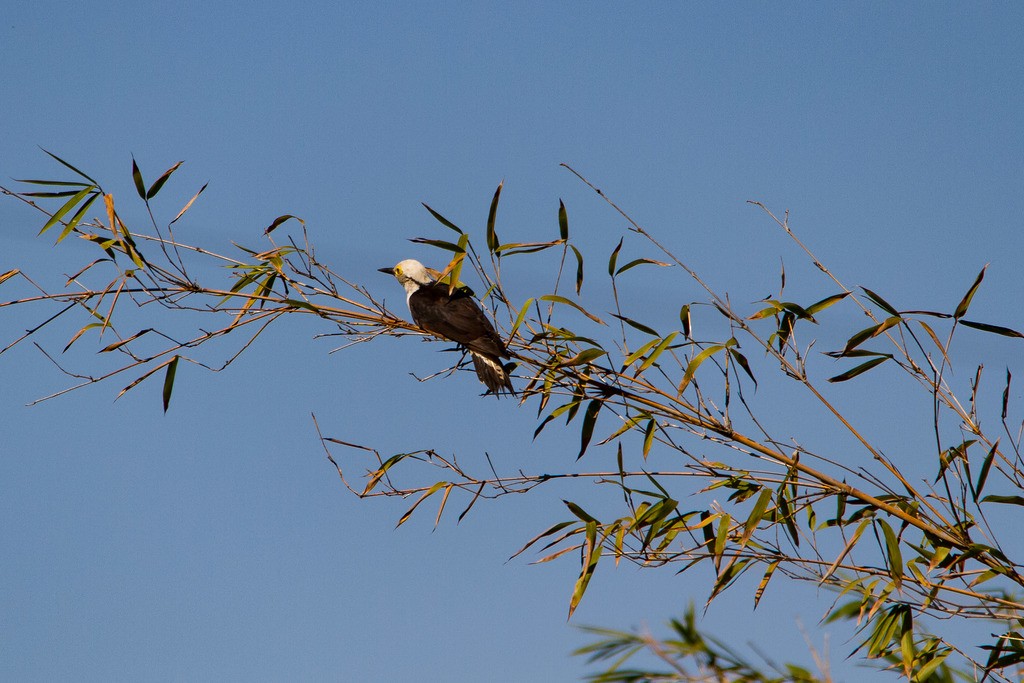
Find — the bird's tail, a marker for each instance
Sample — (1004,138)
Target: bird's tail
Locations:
(492,373)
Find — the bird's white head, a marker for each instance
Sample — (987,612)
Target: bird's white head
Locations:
(411,274)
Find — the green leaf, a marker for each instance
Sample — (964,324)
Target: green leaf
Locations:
(563,221)
(562,300)
(523,310)
(860,369)
(583,357)
(995,329)
(983,474)
(892,549)
(77,218)
(684,317)
(826,302)
(578,511)
(757,513)
(961,308)
(172,368)
(440,244)
(163,179)
(870,332)
(442,220)
(277,221)
(492,236)
(66,164)
(638,326)
(140,186)
(657,352)
(68,205)
(742,360)
(579,269)
(589,421)
(640,261)
(591,553)
(649,436)
(886,306)
(614,257)
(1008,500)
(691,368)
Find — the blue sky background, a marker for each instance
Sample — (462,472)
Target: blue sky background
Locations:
(215,542)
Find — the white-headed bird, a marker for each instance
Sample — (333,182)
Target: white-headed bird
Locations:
(454,315)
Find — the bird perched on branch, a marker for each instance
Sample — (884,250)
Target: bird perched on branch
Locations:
(453,315)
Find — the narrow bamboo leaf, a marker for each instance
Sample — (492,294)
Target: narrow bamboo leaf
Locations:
(426,494)
(492,235)
(277,221)
(563,221)
(50,195)
(860,369)
(562,300)
(172,367)
(721,537)
(649,436)
(892,550)
(189,204)
(579,269)
(935,339)
(583,357)
(631,358)
(995,329)
(684,317)
(983,474)
(961,308)
(764,583)
(589,421)
(442,220)
(117,345)
(516,248)
(798,310)
(444,501)
(591,553)
(8,275)
(523,310)
(68,205)
(440,244)
(155,187)
(56,183)
(66,164)
(637,326)
(757,513)
(379,473)
(578,511)
(649,361)
(826,302)
(145,375)
(140,185)
(691,368)
(614,257)
(870,332)
(553,530)
(1009,500)
(742,360)
(77,218)
(1006,392)
(770,311)
(886,306)
(80,333)
(638,262)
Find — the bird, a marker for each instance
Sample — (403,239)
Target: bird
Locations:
(454,315)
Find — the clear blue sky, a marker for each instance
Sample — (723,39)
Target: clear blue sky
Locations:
(215,542)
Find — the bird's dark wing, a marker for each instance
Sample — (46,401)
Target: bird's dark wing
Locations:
(456,317)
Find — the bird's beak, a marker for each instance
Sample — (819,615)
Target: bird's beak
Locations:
(389,271)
